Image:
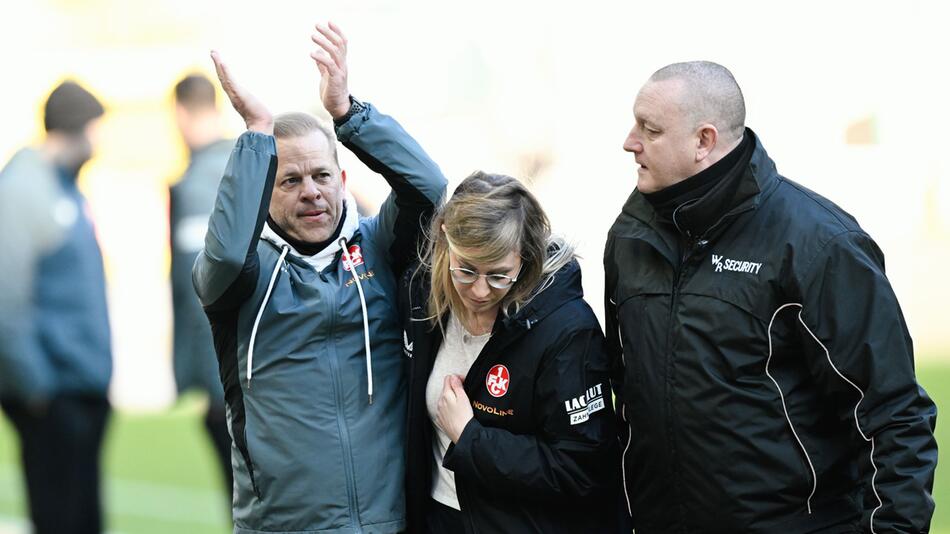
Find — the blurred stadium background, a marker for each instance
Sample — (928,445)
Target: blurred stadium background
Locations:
(848,97)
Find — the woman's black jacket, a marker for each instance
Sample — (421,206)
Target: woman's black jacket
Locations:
(541,454)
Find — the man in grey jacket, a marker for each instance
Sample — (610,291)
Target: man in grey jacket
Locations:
(301,294)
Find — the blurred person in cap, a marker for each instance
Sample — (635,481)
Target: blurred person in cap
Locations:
(55,348)
(765,374)
(301,294)
(191,200)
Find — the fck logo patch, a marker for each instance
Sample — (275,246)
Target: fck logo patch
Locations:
(356,256)
(497,381)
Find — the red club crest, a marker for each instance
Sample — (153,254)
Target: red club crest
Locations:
(497,381)
(356,256)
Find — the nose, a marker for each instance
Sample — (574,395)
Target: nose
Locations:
(310,190)
(480,288)
(632,143)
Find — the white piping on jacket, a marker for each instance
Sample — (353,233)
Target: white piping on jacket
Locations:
(359,287)
(623,416)
(623,459)
(880,503)
(814,476)
(260,312)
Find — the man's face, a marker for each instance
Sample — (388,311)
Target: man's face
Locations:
(662,139)
(76,148)
(307,201)
(93,135)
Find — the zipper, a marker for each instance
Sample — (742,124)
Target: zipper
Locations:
(675,293)
(341,423)
(678,277)
(690,247)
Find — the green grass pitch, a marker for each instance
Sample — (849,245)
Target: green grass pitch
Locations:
(160,476)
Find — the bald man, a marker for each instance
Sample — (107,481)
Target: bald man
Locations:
(764,371)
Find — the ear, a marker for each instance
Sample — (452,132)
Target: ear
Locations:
(343,178)
(181,116)
(180,110)
(706,138)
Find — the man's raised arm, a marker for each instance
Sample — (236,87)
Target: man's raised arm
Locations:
(381,144)
(226,270)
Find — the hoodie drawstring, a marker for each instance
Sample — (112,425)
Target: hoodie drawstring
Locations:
(260,312)
(359,287)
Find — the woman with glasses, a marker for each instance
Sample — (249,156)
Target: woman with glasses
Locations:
(511,425)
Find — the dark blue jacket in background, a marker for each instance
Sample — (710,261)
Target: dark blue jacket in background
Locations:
(190,201)
(54,322)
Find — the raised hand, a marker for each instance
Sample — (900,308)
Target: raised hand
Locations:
(255,114)
(331,61)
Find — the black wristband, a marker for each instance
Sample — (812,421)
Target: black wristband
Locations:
(355,107)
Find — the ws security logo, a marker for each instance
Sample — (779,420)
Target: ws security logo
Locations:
(725,264)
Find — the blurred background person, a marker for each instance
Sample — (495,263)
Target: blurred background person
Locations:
(55,345)
(191,200)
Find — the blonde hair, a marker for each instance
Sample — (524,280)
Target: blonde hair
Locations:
(489,216)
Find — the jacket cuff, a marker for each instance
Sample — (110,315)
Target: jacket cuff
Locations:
(459,454)
(351,126)
(257,142)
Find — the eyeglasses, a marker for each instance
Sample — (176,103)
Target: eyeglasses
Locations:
(497,281)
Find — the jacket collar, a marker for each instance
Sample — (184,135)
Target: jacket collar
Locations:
(758,178)
(325,257)
(560,287)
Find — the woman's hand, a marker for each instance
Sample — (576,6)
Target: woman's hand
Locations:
(455,410)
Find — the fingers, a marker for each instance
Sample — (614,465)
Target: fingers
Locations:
(448,392)
(339,32)
(224,76)
(324,63)
(256,116)
(333,36)
(334,50)
(444,405)
(455,381)
(219,67)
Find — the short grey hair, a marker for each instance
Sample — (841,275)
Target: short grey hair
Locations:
(300,124)
(710,94)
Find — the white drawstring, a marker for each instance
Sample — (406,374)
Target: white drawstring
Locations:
(260,312)
(359,287)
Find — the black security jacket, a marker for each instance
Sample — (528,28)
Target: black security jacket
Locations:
(764,368)
(520,465)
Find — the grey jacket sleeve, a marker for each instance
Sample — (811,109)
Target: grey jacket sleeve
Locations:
(225,271)
(862,346)
(29,201)
(417,182)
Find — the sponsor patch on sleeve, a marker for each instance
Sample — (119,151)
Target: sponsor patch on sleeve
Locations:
(579,408)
